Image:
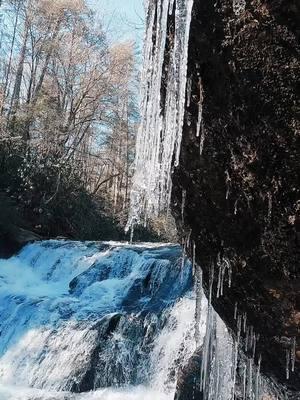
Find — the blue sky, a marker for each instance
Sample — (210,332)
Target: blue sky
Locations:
(123,18)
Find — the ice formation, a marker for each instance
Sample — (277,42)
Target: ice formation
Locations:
(159,136)
(226,373)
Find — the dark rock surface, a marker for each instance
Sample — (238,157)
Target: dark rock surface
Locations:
(13,238)
(242,197)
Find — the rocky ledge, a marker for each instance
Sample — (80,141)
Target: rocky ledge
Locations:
(238,178)
(13,238)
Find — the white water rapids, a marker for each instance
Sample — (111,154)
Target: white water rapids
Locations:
(110,318)
(108,321)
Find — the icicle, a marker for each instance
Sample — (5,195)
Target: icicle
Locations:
(183,258)
(227,193)
(218,379)
(202,138)
(219,281)
(269,206)
(131,233)
(235,207)
(247,338)
(239,327)
(235,354)
(208,339)
(233,369)
(245,322)
(223,266)
(287,367)
(293,354)
(250,379)
(200,109)
(183,205)
(159,136)
(257,379)
(193,258)
(229,273)
(244,380)
(222,278)
(254,346)
(199,127)
(183,41)
(198,291)
(188,239)
(228,180)
(211,282)
(235,310)
(251,337)
(204,362)
(189,91)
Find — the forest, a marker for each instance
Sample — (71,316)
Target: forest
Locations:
(68,120)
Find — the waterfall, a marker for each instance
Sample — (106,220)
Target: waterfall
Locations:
(109,321)
(159,136)
(109,318)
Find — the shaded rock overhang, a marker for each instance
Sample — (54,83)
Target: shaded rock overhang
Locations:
(242,192)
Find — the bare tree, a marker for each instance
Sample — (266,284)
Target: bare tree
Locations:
(67,92)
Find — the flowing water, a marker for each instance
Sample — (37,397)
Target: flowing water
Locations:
(110,321)
(110,318)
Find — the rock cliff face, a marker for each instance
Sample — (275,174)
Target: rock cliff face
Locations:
(238,177)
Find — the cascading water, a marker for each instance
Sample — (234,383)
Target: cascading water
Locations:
(79,317)
(106,321)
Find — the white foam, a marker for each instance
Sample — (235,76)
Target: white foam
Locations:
(49,333)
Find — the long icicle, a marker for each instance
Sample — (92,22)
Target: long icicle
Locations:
(159,137)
